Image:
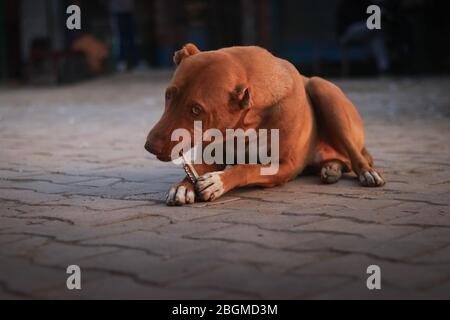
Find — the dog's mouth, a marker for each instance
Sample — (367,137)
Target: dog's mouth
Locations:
(164,158)
(191,154)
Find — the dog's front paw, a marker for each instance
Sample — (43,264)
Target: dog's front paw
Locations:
(371,178)
(210,186)
(180,194)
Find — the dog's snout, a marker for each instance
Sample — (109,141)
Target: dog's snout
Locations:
(154,146)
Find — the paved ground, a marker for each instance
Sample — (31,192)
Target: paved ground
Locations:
(77,187)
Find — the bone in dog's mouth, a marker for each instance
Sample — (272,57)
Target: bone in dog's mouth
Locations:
(189,169)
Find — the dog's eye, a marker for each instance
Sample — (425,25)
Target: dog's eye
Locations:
(196,110)
(168,95)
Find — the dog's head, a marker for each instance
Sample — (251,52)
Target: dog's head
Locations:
(207,86)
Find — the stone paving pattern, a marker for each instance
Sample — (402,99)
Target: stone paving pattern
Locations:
(77,187)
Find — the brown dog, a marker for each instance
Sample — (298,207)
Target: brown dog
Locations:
(247,87)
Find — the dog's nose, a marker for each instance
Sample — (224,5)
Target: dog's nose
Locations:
(153,147)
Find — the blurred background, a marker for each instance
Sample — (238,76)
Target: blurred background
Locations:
(321,37)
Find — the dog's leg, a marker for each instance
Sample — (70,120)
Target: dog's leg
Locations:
(330,162)
(212,185)
(183,192)
(342,127)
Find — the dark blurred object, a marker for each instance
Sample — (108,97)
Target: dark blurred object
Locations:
(419,31)
(95,52)
(412,38)
(41,66)
(72,67)
(124,33)
(352,30)
(10,63)
(307,33)
(86,57)
(196,20)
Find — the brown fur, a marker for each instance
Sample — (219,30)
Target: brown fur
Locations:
(247,87)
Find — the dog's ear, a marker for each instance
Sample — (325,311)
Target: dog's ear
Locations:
(242,96)
(187,51)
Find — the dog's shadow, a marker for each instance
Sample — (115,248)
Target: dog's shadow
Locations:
(141,182)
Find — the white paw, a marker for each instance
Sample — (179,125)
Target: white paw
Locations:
(180,194)
(331,172)
(210,186)
(371,178)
